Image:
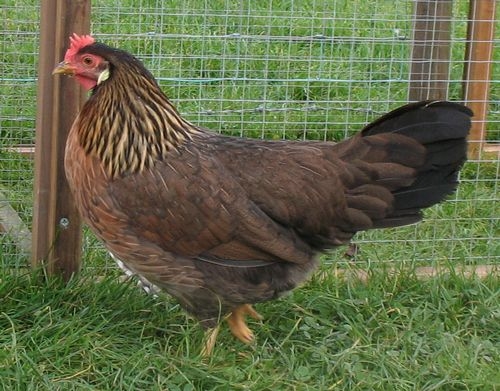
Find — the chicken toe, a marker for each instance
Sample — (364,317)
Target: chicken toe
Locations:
(237,323)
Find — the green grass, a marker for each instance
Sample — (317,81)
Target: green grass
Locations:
(395,332)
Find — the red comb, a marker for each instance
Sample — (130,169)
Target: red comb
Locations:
(76,43)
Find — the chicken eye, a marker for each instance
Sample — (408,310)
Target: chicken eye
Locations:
(88,60)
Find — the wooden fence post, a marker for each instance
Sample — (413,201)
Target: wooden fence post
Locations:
(430,63)
(56,223)
(477,72)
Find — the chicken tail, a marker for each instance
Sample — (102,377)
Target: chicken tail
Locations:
(407,160)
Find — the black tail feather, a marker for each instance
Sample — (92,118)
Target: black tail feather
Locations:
(442,128)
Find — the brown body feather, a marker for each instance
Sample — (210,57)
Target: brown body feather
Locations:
(219,221)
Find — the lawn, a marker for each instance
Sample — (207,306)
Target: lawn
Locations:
(393,332)
(281,69)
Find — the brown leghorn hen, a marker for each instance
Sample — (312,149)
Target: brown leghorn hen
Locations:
(221,222)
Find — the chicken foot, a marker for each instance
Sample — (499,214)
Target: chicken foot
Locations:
(237,323)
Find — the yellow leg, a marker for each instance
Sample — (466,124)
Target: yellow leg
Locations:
(210,338)
(237,323)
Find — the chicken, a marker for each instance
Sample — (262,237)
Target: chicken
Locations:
(222,223)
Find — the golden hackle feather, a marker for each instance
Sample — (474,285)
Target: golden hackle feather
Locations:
(133,125)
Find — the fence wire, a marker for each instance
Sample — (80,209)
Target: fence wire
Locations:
(318,69)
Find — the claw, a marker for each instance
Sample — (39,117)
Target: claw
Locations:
(237,323)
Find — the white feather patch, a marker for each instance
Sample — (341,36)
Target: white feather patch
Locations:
(103,76)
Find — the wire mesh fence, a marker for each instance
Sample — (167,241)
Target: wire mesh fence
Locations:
(18,75)
(278,69)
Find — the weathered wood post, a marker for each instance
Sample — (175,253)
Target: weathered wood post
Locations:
(56,223)
(477,72)
(430,60)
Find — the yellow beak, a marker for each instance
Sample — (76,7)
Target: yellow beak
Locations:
(63,68)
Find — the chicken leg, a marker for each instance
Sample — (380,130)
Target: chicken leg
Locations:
(237,323)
